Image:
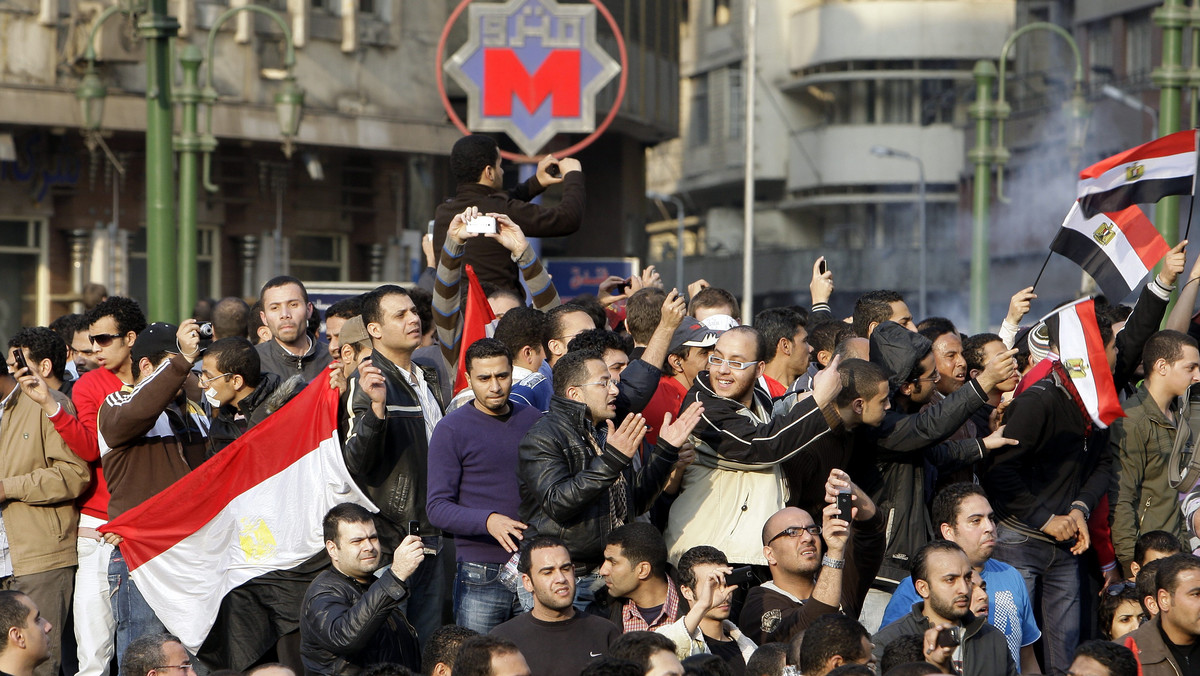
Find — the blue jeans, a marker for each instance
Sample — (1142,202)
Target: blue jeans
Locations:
(481,601)
(134,617)
(1054,571)
(426,596)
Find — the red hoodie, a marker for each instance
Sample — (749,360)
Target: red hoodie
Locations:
(80,434)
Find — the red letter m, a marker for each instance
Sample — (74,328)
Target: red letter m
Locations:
(504,78)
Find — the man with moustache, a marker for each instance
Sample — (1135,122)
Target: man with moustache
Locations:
(945,580)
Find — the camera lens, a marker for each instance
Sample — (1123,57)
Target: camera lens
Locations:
(205,330)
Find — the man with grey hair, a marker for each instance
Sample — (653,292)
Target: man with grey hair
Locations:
(158,654)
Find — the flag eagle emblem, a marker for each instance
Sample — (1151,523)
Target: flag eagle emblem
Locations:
(1134,171)
(1105,234)
(1077,368)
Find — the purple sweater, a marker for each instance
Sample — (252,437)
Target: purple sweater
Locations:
(473,473)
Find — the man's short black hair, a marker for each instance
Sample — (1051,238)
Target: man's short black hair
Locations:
(712,297)
(1155,541)
(643,311)
(639,646)
(920,565)
(972,350)
(760,343)
(237,356)
(475,655)
(524,560)
(372,312)
(697,556)
(776,323)
(1166,344)
(640,541)
(768,660)
(571,370)
(706,664)
(936,327)
(831,634)
(346,512)
(826,335)
(254,322)
(42,343)
(1171,568)
(231,317)
(611,666)
(13,613)
(1115,657)
(601,340)
(555,324)
(591,305)
(1147,582)
(521,327)
(383,669)
(852,669)
(423,305)
(346,308)
(442,646)
(860,380)
(911,668)
(66,326)
(145,653)
(282,280)
(125,312)
(903,650)
(948,501)
(470,155)
(873,307)
(486,348)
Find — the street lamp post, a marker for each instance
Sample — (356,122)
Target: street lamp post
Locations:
(884,151)
(171,270)
(984,155)
(1131,101)
(659,197)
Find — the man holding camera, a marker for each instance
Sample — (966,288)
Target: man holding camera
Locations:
(954,639)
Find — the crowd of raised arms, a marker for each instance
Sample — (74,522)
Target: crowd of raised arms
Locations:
(627,483)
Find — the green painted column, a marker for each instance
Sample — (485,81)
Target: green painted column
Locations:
(157,28)
(982,156)
(1170,77)
(188,144)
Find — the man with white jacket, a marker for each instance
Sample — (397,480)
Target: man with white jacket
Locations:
(707,628)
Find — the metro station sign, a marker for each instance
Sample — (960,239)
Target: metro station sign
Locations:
(532,69)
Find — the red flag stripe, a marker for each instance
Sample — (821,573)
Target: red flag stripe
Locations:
(306,421)
(476,315)
(1172,144)
(1108,403)
(1141,235)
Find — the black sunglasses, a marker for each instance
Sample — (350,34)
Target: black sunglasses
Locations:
(104,339)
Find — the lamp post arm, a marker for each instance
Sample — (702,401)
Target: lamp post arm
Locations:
(89,53)
(1002,108)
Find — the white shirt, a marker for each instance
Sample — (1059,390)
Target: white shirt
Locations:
(429,405)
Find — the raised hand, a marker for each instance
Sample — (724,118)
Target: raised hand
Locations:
(821,286)
(509,235)
(676,432)
(408,557)
(457,232)
(627,438)
(1018,305)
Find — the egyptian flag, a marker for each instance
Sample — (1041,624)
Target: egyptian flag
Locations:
(1116,249)
(477,316)
(1081,353)
(253,508)
(1141,175)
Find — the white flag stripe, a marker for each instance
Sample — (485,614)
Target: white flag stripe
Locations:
(1155,168)
(1118,250)
(1073,344)
(275,525)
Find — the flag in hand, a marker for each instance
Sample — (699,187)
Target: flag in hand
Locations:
(1141,175)
(1081,352)
(477,315)
(1116,249)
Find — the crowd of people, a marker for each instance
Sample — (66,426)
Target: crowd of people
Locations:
(629,483)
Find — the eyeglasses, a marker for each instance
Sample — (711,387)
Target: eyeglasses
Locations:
(1116,589)
(104,339)
(794,531)
(186,666)
(932,379)
(205,381)
(605,383)
(735,365)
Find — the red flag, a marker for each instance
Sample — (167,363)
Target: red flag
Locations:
(477,314)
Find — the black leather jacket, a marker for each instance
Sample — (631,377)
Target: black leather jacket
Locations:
(346,626)
(389,458)
(564,482)
(226,427)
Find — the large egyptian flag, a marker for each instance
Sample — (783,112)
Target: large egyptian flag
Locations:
(1116,249)
(253,508)
(477,316)
(1081,352)
(1141,175)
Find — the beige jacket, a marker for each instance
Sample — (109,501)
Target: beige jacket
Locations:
(41,479)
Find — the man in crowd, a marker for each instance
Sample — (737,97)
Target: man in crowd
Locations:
(150,436)
(711,301)
(977,351)
(351,618)
(562,324)
(687,356)
(635,573)
(158,654)
(1166,645)
(386,452)
(1152,546)
(643,309)
(706,627)
(945,580)
(26,635)
(947,353)
(575,467)
(473,490)
(291,350)
(235,388)
(786,358)
(554,637)
(809,575)
(1142,441)
(437,658)
(834,640)
(490,656)
(875,307)
(475,164)
(81,352)
(39,480)
(654,653)
(336,316)
(231,318)
(1103,658)
(963,515)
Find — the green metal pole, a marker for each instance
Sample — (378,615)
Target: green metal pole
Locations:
(157,27)
(189,146)
(981,155)
(1170,77)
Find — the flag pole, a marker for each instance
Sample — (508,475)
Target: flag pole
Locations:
(1039,275)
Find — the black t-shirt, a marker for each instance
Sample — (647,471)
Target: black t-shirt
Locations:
(730,652)
(1186,656)
(553,648)
(649,615)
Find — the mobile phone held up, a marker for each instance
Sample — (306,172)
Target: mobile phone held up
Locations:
(845,503)
(19,358)
(740,577)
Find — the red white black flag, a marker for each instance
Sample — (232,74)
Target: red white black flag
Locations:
(1116,249)
(1081,352)
(1141,175)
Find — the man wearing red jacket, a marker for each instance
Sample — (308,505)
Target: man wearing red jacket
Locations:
(113,326)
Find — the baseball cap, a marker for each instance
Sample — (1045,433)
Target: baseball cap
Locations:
(353,331)
(156,338)
(692,333)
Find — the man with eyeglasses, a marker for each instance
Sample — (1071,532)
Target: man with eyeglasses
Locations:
(235,388)
(575,465)
(809,575)
(739,448)
(159,654)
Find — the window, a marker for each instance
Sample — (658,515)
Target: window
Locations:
(937,102)
(722,13)
(897,101)
(318,258)
(22,252)
(698,124)
(1100,51)
(1138,47)
(736,116)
